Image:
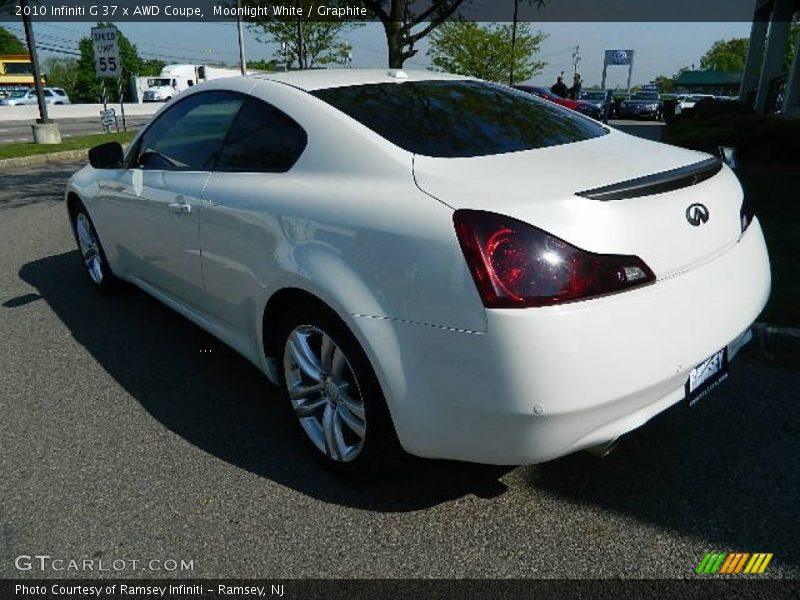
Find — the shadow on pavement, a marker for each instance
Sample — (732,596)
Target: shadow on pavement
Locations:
(725,470)
(217,401)
(33,185)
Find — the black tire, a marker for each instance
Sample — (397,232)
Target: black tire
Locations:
(380,451)
(99,272)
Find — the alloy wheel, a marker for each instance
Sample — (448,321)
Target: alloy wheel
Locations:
(324,393)
(89,247)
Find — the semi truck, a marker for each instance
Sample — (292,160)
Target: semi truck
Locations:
(176,78)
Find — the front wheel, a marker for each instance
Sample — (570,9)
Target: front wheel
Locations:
(335,395)
(91,251)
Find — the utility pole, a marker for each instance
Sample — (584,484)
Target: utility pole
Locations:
(300,58)
(513,42)
(242,61)
(576,58)
(45,131)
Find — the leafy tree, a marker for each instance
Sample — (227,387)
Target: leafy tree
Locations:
(88,87)
(62,72)
(11,44)
(151,67)
(726,55)
(262,65)
(467,48)
(405,26)
(304,43)
(665,84)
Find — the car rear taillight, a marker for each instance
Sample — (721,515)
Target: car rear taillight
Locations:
(516,265)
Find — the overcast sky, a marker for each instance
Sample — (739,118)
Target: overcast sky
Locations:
(660,48)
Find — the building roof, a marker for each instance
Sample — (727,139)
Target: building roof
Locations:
(710,77)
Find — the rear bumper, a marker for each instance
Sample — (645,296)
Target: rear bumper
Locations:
(545,382)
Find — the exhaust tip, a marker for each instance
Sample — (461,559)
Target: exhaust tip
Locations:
(604,449)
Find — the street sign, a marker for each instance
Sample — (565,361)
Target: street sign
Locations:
(106,52)
(108,117)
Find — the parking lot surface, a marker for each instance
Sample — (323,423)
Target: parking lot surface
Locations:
(128,433)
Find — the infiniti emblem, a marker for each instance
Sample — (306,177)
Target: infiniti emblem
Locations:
(697,214)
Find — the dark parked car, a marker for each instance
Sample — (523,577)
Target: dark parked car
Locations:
(641,104)
(585,108)
(597,97)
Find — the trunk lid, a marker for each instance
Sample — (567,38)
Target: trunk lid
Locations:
(541,187)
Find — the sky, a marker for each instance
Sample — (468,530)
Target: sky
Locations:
(660,48)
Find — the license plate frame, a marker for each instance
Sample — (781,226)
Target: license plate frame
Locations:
(706,376)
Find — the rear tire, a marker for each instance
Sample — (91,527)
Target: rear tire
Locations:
(92,255)
(334,394)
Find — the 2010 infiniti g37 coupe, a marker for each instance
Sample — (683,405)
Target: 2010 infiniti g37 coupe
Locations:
(431,263)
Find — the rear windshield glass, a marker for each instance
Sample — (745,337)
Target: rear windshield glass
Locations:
(451,119)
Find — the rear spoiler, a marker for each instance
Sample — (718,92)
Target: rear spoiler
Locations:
(658,183)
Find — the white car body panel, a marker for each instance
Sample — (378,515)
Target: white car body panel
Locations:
(367,227)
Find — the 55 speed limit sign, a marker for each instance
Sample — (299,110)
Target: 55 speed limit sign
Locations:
(106,52)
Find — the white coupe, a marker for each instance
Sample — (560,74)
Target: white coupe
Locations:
(430,263)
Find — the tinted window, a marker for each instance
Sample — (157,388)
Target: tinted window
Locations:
(189,135)
(262,139)
(460,118)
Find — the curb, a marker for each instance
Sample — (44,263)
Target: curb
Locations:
(779,345)
(42,159)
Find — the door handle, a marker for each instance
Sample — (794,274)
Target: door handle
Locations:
(180,208)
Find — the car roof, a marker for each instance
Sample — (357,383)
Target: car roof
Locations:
(318,79)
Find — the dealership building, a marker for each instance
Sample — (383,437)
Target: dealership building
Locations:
(764,85)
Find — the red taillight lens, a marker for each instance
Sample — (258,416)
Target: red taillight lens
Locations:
(516,265)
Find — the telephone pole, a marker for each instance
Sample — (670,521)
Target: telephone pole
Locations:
(576,58)
(242,61)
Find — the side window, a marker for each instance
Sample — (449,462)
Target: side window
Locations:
(47,93)
(263,140)
(188,135)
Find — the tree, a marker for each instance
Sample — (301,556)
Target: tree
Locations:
(317,44)
(62,72)
(262,65)
(304,43)
(11,44)
(151,67)
(726,55)
(467,48)
(88,87)
(405,27)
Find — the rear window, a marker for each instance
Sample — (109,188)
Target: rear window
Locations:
(450,119)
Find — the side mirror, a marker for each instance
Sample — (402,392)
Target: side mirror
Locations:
(106,156)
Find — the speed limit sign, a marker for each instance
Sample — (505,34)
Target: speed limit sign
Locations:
(106,52)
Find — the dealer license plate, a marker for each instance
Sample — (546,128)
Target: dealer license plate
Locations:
(706,376)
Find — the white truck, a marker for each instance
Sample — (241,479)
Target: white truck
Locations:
(176,78)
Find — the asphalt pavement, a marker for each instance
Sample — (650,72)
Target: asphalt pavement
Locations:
(127,433)
(20,131)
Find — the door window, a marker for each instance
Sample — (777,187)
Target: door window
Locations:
(262,140)
(188,135)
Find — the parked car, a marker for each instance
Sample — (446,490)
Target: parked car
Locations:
(430,263)
(51,96)
(597,97)
(687,102)
(641,104)
(585,108)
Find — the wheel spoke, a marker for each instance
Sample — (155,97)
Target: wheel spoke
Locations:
(305,391)
(355,407)
(354,424)
(304,356)
(337,362)
(328,430)
(338,435)
(309,407)
(326,353)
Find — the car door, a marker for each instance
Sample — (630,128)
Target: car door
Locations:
(157,202)
(249,190)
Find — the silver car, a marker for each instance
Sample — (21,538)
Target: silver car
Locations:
(52,95)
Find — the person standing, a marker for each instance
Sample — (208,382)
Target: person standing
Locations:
(575,90)
(560,88)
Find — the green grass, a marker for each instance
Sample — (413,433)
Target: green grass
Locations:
(773,194)
(71,143)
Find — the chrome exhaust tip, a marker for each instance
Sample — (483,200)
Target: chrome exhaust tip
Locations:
(604,449)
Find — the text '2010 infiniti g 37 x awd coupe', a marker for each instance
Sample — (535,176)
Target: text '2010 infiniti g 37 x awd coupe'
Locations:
(430,263)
